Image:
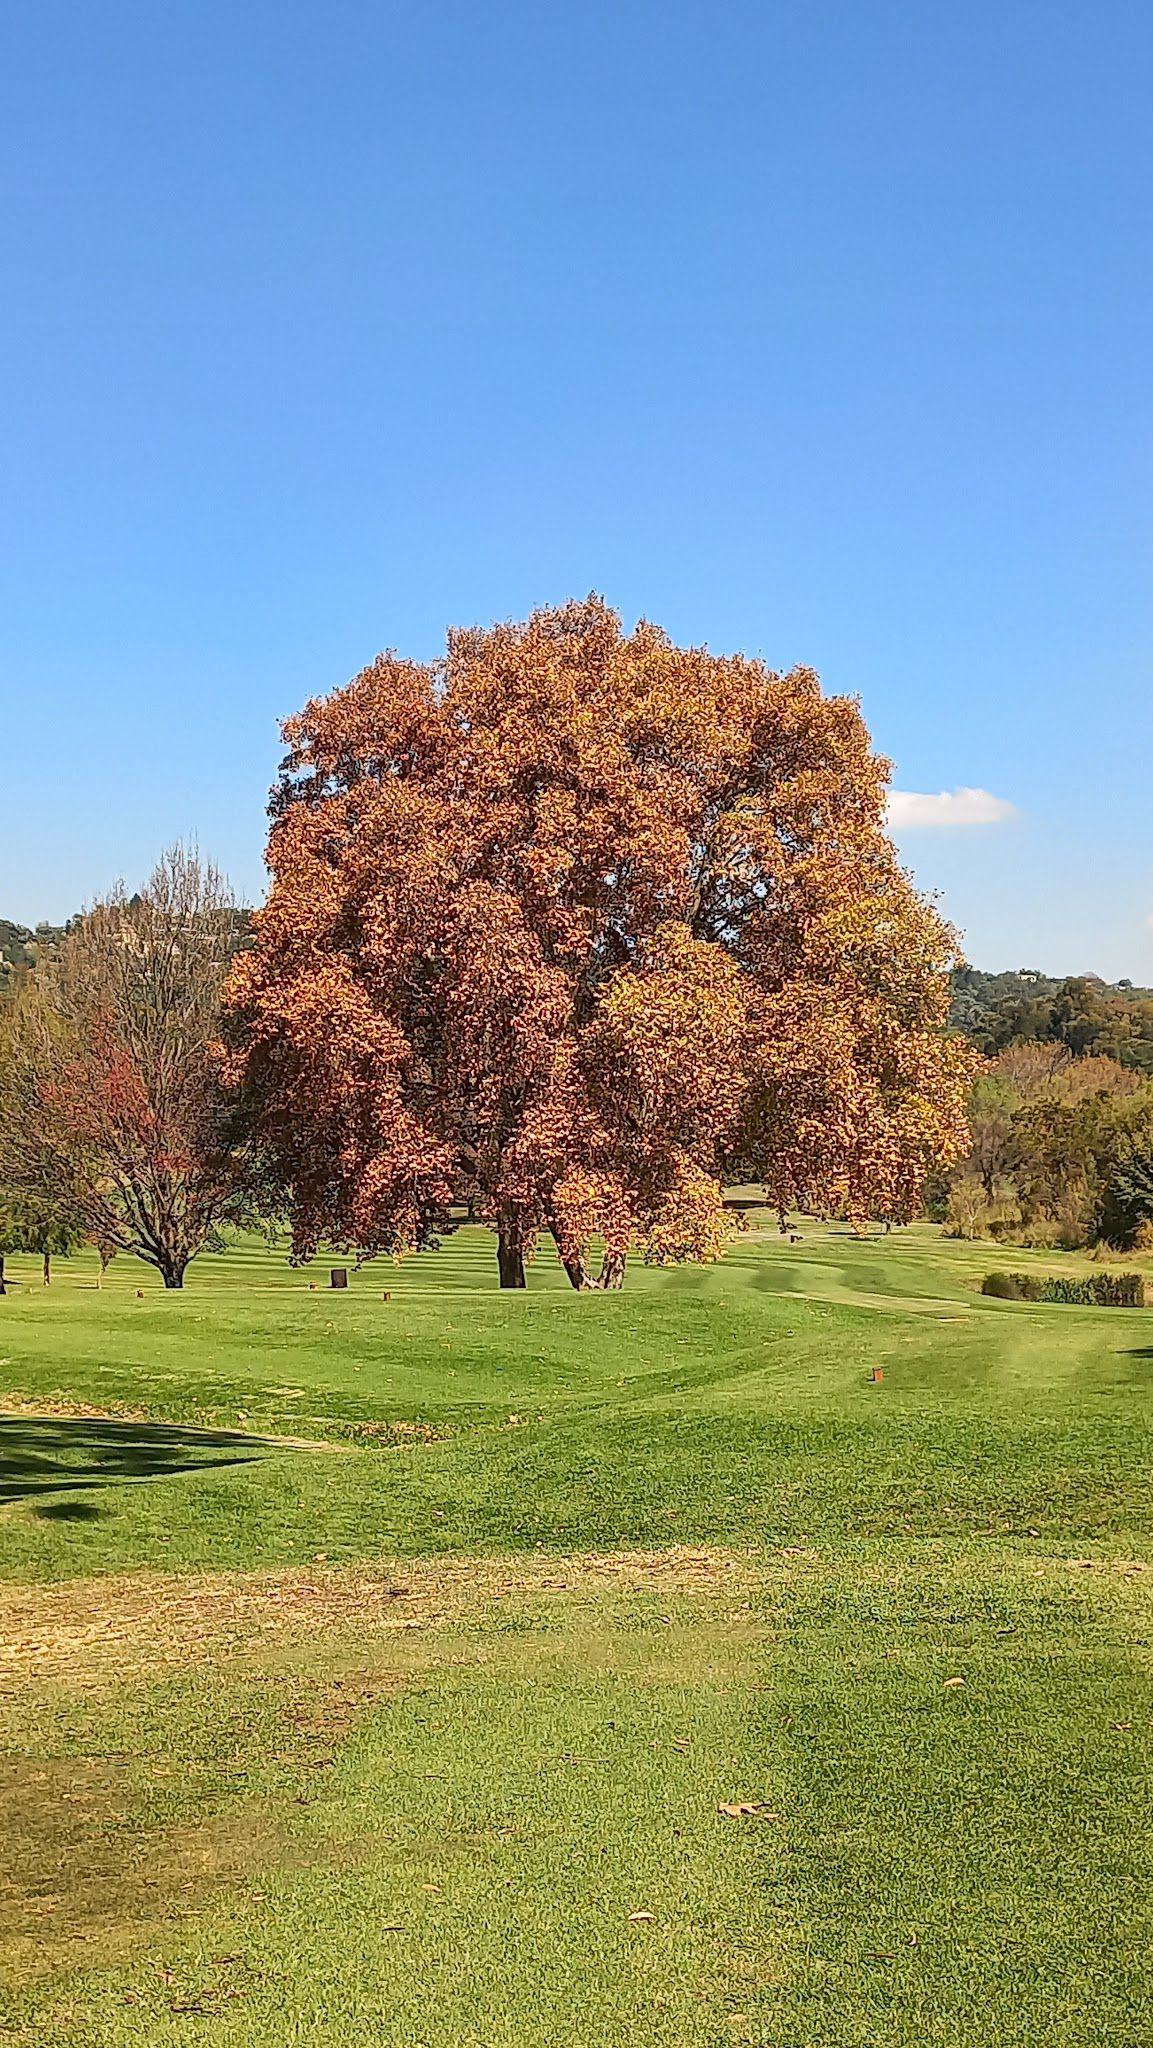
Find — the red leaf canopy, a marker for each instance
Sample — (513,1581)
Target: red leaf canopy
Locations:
(574,923)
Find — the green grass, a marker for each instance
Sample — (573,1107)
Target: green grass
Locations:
(435,1833)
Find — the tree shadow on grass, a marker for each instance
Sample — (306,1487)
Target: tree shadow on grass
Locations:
(45,1455)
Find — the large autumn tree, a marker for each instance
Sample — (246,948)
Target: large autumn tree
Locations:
(573,923)
(113,1116)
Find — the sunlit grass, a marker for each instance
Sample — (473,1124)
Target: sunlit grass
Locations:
(411,1783)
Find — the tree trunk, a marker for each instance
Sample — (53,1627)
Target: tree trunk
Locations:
(47,1269)
(510,1259)
(612,1273)
(172,1270)
(573,1263)
(3,1286)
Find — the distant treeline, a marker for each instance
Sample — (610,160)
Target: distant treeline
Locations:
(1082,1012)
(1092,1018)
(21,948)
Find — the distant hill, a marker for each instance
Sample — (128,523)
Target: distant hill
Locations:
(1083,1012)
(21,948)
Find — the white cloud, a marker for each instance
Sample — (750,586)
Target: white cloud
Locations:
(913,811)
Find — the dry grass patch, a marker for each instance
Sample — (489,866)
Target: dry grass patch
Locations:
(81,1875)
(97,1631)
(103,1848)
(21,1407)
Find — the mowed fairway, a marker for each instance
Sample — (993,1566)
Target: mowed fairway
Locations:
(415,1729)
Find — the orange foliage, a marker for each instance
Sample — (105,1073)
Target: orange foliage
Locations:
(571,925)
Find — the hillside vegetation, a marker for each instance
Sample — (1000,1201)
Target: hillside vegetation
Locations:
(1089,1016)
(21,947)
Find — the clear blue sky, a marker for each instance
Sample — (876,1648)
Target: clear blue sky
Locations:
(819,330)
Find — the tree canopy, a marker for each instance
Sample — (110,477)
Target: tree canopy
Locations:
(568,926)
(1061,1150)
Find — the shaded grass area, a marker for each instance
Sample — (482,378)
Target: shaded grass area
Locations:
(408,1776)
(46,1459)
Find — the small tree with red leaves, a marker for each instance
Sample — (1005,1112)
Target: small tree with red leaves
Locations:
(113,1115)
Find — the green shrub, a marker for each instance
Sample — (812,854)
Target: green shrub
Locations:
(1062,1288)
(1004,1286)
(1014,1286)
(1097,1290)
(1118,1290)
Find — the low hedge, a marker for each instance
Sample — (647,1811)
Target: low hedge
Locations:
(1096,1290)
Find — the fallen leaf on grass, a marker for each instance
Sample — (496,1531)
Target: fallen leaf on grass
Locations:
(950,1682)
(733,1810)
(634,1917)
